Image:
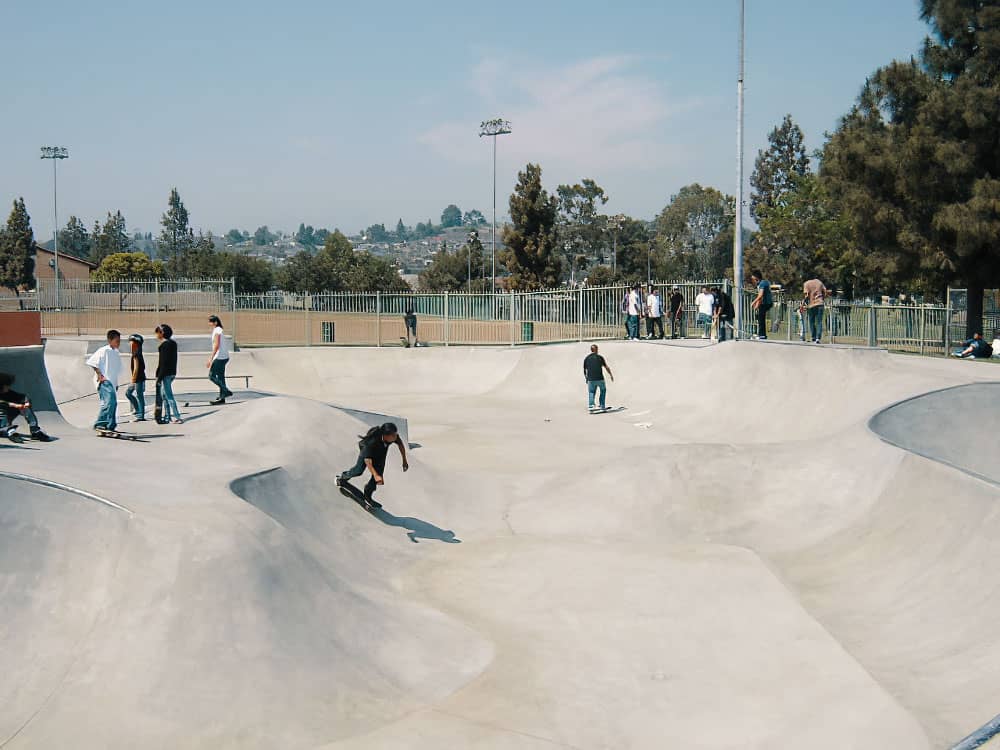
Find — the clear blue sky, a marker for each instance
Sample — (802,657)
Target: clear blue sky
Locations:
(344,114)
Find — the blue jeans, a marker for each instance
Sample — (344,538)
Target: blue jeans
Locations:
(592,387)
(107,417)
(136,395)
(816,322)
(217,374)
(705,321)
(632,324)
(169,402)
(358,469)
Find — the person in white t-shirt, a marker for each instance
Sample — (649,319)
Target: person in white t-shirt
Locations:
(633,311)
(706,306)
(654,314)
(107,365)
(217,362)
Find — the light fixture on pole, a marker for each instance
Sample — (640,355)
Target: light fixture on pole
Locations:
(615,223)
(738,234)
(55,153)
(491,129)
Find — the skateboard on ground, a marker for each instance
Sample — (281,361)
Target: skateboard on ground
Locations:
(608,410)
(114,434)
(349,490)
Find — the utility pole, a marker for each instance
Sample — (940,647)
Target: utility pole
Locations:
(491,129)
(55,153)
(738,239)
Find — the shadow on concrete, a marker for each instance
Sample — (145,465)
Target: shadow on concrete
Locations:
(417,529)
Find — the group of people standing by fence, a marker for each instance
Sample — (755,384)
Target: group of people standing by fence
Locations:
(106,364)
(715,312)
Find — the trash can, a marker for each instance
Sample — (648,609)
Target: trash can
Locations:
(527,331)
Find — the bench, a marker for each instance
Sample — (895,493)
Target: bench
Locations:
(246,378)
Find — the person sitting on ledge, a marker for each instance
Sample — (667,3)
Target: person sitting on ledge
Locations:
(12,405)
(976,347)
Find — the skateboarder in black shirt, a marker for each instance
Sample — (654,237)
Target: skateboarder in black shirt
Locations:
(374,446)
(594,366)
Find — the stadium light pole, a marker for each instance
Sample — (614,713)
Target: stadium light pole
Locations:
(491,129)
(55,153)
(738,238)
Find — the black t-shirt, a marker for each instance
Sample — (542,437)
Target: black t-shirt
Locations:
(676,300)
(139,367)
(12,397)
(593,366)
(377,450)
(411,321)
(168,359)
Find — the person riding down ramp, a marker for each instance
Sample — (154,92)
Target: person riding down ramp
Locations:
(374,449)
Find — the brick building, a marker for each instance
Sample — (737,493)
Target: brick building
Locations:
(70,267)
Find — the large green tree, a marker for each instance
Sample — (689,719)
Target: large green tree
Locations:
(176,235)
(916,162)
(75,239)
(17,250)
(110,238)
(531,252)
(338,267)
(581,224)
(777,168)
(451,216)
(127,266)
(694,234)
(458,270)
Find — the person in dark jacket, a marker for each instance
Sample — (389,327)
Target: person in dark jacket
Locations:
(166,371)
(136,391)
(13,405)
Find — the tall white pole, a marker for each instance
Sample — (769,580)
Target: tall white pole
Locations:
(738,238)
(55,232)
(493,249)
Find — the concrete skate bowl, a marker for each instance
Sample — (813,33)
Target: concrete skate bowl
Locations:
(956,426)
(693,572)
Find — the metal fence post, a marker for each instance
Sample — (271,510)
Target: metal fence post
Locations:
(307,308)
(446,318)
(378,318)
(872,326)
(513,321)
(232,297)
(579,314)
(947,325)
(923,315)
(157,294)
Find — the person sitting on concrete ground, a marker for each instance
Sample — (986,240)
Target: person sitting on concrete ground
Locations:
(677,313)
(594,366)
(410,322)
(107,365)
(705,302)
(976,347)
(136,391)
(217,362)
(12,405)
(654,314)
(374,446)
(166,371)
(725,312)
(816,294)
(762,303)
(633,312)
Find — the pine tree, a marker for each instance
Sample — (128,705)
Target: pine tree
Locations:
(74,239)
(531,254)
(777,168)
(17,250)
(110,238)
(176,236)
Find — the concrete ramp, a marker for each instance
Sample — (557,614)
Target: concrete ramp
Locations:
(27,365)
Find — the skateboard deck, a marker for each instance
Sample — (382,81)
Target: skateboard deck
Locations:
(114,434)
(349,490)
(609,410)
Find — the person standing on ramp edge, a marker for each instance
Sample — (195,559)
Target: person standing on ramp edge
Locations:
(594,366)
(374,446)
(218,361)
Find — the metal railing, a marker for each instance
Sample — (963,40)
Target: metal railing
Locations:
(453,318)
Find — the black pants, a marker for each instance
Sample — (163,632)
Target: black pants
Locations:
(724,323)
(652,324)
(762,320)
(359,468)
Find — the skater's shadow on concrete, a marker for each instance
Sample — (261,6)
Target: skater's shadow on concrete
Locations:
(416,528)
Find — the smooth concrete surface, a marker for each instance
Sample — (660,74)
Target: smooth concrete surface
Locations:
(733,561)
